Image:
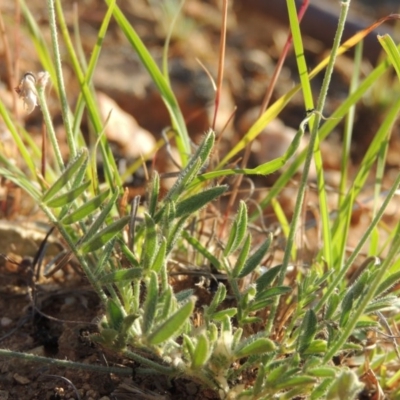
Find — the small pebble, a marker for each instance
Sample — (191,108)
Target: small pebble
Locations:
(22,380)
(5,321)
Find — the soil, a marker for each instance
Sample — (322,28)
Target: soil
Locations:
(55,317)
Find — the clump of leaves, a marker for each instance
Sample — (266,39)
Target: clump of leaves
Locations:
(260,336)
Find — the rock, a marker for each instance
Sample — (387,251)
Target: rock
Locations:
(24,238)
(5,321)
(122,129)
(22,380)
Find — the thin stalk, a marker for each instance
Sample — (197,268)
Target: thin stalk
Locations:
(222,46)
(143,360)
(309,157)
(86,269)
(49,126)
(65,363)
(349,122)
(281,60)
(60,79)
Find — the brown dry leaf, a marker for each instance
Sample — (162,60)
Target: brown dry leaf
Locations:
(372,386)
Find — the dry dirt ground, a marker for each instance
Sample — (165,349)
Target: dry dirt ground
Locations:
(55,317)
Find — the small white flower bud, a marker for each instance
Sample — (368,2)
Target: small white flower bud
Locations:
(27,91)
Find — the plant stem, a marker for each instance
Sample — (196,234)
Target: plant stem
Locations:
(60,79)
(143,360)
(313,138)
(65,363)
(49,126)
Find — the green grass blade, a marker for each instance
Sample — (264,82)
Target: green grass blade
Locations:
(392,51)
(178,122)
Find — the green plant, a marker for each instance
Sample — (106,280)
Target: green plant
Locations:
(126,254)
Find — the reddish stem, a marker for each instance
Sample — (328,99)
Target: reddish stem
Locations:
(281,60)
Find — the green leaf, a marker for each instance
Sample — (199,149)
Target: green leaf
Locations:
(184,295)
(260,380)
(201,352)
(316,346)
(86,209)
(347,305)
(159,259)
(276,374)
(272,292)
(220,315)
(381,304)
(104,236)
(238,231)
(250,320)
(242,257)
(202,250)
(389,282)
(308,330)
(333,304)
(166,301)
(127,323)
(174,234)
(255,259)
(192,169)
(367,325)
(320,390)
(66,176)
(104,257)
(218,298)
(172,325)
(253,346)
(169,214)
(153,196)
(322,372)
(150,304)
(358,287)
(188,345)
(150,243)
(231,239)
(178,122)
(126,251)
(122,275)
(345,386)
(69,196)
(199,200)
(267,278)
(114,314)
(298,380)
(259,305)
(392,51)
(101,218)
